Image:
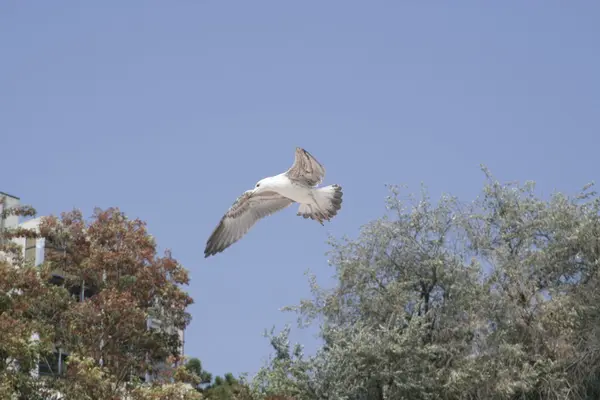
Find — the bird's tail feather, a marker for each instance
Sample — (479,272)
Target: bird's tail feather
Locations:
(328,201)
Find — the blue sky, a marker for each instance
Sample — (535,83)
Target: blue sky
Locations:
(170,110)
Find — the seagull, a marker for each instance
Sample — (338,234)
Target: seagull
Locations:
(296,185)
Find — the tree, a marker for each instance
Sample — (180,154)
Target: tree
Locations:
(227,388)
(24,299)
(194,366)
(221,388)
(97,313)
(494,299)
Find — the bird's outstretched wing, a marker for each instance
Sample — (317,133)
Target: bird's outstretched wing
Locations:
(241,216)
(306,169)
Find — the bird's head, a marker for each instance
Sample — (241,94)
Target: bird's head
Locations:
(263,185)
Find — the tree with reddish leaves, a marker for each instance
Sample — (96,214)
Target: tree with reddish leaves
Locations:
(113,264)
(104,297)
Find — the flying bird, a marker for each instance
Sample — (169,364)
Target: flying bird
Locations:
(296,185)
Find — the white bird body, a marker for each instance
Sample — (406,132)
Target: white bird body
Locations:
(284,186)
(274,193)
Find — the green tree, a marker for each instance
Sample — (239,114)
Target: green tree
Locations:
(493,299)
(221,388)
(194,366)
(227,388)
(24,310)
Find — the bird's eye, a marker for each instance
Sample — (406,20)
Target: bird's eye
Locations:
(258,184)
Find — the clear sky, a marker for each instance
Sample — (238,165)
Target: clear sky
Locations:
(171,109)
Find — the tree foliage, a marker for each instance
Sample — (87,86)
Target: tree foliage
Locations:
(91,299)
(493,299)
(24,299)
(219,388)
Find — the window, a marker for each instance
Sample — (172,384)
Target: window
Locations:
(56,279)
(53,364)
(80,295)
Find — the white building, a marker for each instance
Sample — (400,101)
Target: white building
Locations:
(9,202)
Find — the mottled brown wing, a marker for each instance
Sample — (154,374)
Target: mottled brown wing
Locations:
(306,169)
(241,216)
